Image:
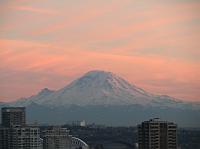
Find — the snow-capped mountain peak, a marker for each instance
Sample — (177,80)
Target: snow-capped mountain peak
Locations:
(105,80)
(99,88)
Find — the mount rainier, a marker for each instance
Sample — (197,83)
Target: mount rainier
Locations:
(99,88)
(104,97)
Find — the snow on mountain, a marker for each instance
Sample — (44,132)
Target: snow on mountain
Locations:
(44,93)
(99,88)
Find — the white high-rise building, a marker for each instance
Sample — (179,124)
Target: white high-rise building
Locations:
(56,138)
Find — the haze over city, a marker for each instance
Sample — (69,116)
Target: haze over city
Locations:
(154,45)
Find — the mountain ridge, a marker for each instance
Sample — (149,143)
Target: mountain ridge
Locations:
(103,97)
(99,87)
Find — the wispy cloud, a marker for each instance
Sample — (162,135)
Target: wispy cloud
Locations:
(36,10)
(44,41)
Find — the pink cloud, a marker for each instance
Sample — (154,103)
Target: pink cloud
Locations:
(36,10)
(79,61)
(154,46)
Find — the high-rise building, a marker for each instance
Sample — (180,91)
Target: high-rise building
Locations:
(157,134)
(12,116)
(56,138)
(18,137)
(15,134)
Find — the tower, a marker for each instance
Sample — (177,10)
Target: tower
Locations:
(13,116)
(157,134)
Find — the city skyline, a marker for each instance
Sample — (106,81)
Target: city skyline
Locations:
(153,44)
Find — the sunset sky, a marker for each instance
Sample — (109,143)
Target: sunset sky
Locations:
(154,44)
